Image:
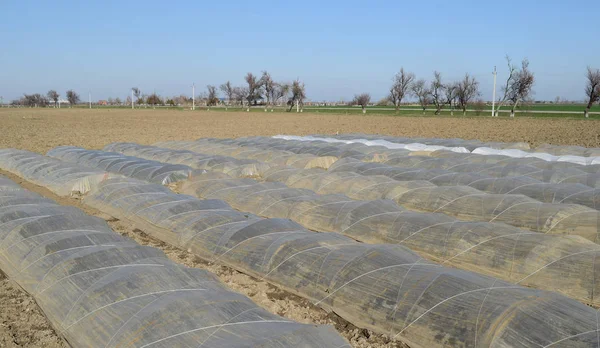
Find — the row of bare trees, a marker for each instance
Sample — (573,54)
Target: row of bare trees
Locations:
(517,90)
(258,89)
(263,89)
(437,93)
(460,93)
(40,100)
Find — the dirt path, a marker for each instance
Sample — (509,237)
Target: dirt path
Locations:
(42,129)
(27,329)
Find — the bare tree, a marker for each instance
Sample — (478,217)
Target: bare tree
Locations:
(280,92)
(422,93)
(400,87)
(143,100)
(227,88)
(34,100)
(118,101)
(363,100)
(592,88)
(154,99)
(137,93)
(479,107)
(254,89)
(128,100)
(521,86)
(202,99)
(182,99)
(72,97)
(240,94)
(450,92)
(467,89)
(269,86)
(53,95)
(518,87)
(437,90)
(298,96)
(212,98)
(512,69)
(385,101)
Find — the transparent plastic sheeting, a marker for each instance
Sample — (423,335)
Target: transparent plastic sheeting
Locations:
(386,288)
(382,153)
(569,150)
(557,263)
(152,171)
(566,265)
(59,177)
(497,166)
(379,153)
(273,158)
(391,143)
(100,289)
(221,164)
(574,193)
(463,202)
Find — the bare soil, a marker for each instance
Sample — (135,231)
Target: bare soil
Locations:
(22,323)
(42,129)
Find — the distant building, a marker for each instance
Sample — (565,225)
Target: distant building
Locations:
(60,102)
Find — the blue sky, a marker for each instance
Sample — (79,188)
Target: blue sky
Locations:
(338,48)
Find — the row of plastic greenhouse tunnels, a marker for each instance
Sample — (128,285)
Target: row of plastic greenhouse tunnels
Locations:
(430,242)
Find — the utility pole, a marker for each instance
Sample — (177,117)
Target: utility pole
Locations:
(90,98)
(132,102)
(193,96)
(494,94)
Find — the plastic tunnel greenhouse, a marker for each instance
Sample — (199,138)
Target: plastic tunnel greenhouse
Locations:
(499,166)
(100,289)
(155,172)
(575,193)
(566,265)
(572,154)
(387,288)
(463,202)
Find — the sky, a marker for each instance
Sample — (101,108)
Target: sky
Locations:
(337,48)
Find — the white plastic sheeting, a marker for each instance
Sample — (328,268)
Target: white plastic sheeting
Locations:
(451,142)
(384,143)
